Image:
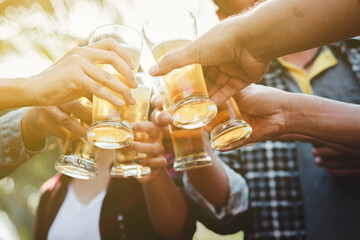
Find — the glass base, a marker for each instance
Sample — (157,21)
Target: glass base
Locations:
(193,112)
(76,167)
(110,135)
(230,135)
(128,170)
(191,162)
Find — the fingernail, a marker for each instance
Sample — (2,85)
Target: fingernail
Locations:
(317,160)
(135,84)
(132,100)
(132,64)
(120,102)
(153,70)
(138,161)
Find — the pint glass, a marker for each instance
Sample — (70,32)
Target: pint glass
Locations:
(124,165)
(228,130)
(110,128)
(165,32)
(189,148)
(189,144)
(78,157)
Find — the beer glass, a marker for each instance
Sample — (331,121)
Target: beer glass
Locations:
(189,148)
(110,128)
(78,157)
(189,144)
(124,165)
(167,31)
(228,130)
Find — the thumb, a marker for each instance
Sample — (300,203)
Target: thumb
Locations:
(177,59)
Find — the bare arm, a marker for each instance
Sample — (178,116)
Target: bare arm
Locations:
(241,47)
(166,205)
(279,27)
(272,113)
(72,76)
(325,119)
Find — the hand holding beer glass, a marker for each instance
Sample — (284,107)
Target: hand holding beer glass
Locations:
(124,165)
(167,31)
(110,128)
(228,130)
(189,144)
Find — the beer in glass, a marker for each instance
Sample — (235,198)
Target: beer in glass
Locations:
(110,128)
(189,148)
(189,144)
(124,165)
(228,130)
(78,157)
(167,31)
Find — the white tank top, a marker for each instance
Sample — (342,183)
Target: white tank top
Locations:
(76,220)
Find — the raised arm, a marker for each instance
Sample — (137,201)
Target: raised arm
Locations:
(166,205)
(242,47)
(73,76)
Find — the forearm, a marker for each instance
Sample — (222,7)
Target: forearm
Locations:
(16,92)
(167,207)
(325,119)
(211,182)
(317,142)
(279,27)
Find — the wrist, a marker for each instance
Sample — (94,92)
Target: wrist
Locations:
(293,115)
(35,95)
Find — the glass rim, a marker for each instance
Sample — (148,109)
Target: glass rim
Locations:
(118,25)
(164,10)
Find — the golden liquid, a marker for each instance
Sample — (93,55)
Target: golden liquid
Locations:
(186,87)
(167,105)
(124,155)
(226,111)
(187,142)
(138,112)
(74,146)
(105,111)
(185,82)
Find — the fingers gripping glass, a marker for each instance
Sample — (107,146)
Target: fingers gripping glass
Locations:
(228,130)
(124,165)
(165,32)
(110,128)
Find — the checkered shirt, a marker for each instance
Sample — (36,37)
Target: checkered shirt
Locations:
(275,203)
(270,168)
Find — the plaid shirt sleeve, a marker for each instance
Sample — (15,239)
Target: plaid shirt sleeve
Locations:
(236,204)
(12,149)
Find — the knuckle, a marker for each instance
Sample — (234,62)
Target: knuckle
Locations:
(73,105)
(110,42)
(97,87)
(76,58)
(76,49)
(65,120)
(112,55)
